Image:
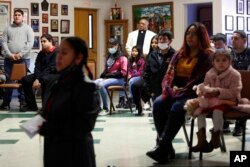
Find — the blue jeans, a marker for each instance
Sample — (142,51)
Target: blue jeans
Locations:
(8,68)
(103,84)
(131,83)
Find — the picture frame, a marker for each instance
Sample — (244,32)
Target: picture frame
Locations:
(116,13)
(229,23)
(5,15)
(35,25)
(45,30)
(56,40)
(248,23)
(240,6)
(64,9)
(25,14)
(65,26)
(53,9)
(159,15)
(34,7)
(229,38)
(54,25)
(240,23)
(36,44)
(248,40)
(248,7)
(45,18)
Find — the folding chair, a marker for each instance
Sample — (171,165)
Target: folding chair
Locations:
(17,73)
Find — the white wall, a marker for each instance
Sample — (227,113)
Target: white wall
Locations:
(103,7)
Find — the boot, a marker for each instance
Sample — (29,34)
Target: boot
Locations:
(121,102)
(5,105)
(129,102)
(215,140)
(202,145)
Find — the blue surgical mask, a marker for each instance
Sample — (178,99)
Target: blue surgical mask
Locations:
(112,50)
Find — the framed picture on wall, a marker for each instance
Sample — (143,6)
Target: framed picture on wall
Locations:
(34,9)
(54,25)
(64,9)
(116,13)
(229,24)
(25,14)
(45,18)
(240,23)
(35,25)
(36,44)
(240,6)
(54,9)
(159,15)
(45,30)
(56,40)
(248,40)
(5,15)
(248,7)
(65,24)
(248,23)
(229,39)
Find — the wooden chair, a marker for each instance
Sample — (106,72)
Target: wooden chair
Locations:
(17,73)
(232,114)
(111,90)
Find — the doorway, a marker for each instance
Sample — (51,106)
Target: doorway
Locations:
(86,28)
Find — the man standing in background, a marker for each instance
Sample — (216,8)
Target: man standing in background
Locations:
(18,39)
(141,37)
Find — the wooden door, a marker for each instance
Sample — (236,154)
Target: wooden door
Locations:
(86,28)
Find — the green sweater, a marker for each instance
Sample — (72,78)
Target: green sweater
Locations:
(17,39)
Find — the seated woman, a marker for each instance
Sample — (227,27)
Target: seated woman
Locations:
(115,71)
(186,69)
(135,69)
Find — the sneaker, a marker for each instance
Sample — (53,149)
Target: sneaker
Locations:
(146,106)
(103,113)
(237,132)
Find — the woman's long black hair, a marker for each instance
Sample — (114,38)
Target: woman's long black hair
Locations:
(132,59)
(80,47)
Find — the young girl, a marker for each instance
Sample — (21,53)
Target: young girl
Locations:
(135,70)
(225,84)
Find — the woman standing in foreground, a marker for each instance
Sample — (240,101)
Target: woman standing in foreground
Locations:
(71,110)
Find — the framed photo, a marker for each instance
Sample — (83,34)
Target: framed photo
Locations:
(240,23)
(25,14)
(248,23)
(54,25)
(248,40)
(64,9)
(35,25)
(36,44)
(45,18)
(229,24)
(159,15)
(45,30)
(34,9)
(240,6)
(65,24)
(229,39)
(5,15)
(116,13)
(248,7)
(56,40)
(54,9)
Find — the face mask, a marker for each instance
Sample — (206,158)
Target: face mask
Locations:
(220,49)
(112,50)
(163,46)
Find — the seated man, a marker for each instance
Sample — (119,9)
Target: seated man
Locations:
(44,65)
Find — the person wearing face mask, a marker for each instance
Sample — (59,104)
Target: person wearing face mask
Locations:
(115,71)
(154,70)
(71,109)
(140,37)
(18,39)
(187,68)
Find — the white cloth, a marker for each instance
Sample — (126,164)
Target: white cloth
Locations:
(132,40)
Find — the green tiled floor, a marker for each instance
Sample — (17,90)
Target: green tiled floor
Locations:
(8,141)
(15,130)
